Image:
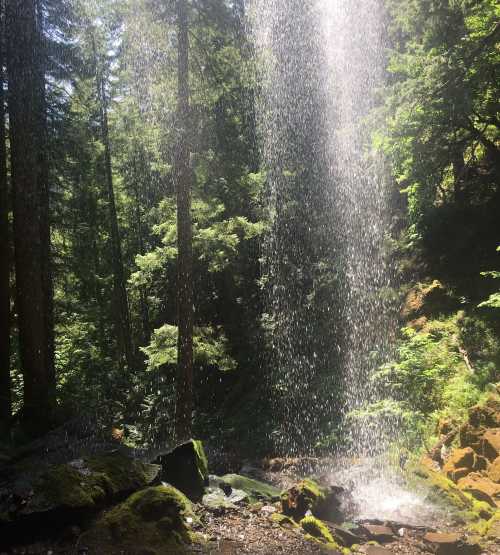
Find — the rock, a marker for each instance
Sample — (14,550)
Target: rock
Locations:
(328,503)
(283,520)
(186,468)
(460,463)
(471,436)
(378,533)
(216,498)
(486,415)
(449,544)
(427,300)
(256,491)
(481,488)
(490,444)
(154,520)
(85,484)
(344,537)
(494,471)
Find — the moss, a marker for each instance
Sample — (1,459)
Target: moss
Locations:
(316,528)
(307,495)
(155,517)
(257,491)
(122,473)
(65,486)
(283,520)
(201,459)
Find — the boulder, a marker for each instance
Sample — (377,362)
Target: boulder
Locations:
(470,436)
(486,415)
(490,444)
(255,490)
(186,468)
(449,544)
(156,520)
(378,533)
(328,503)
(494,471)
(460,462)
(481,488)
(80,485)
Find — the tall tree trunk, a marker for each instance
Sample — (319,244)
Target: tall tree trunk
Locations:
(5,381)
(183,179)
(24,117)
(120,289)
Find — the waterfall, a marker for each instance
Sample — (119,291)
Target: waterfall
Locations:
(323,66)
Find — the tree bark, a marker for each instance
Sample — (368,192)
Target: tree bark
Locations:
(120,290)
(183,181)
(25,140)
(5,379)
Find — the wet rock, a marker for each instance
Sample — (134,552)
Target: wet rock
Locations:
(329,503)
(218,499)
(449,544)
(490,444)
(378,533)
(344,537)
(481,488)
(186,468)
(256,491)
(460,463)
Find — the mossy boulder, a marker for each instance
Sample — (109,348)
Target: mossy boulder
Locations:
(256,491)
(83,484)
(186,468)
(156,520)
(307,495)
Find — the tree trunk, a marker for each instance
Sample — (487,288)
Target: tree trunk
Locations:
(5,381)
(116,249)
(183,178)
(24,117)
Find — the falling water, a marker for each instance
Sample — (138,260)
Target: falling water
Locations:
(329,217)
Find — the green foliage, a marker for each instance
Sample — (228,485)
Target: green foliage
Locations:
(210,349)
(430,379)
(494,299)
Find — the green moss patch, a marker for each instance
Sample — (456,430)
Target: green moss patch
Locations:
(156,519)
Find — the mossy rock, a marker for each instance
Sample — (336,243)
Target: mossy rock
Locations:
(443,491)
(283,520)
(186,468)
(155,520)
(307,495)
(78,485)
(256,491)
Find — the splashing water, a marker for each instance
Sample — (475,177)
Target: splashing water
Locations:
(323,67)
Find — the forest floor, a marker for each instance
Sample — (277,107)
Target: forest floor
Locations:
(246,532)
